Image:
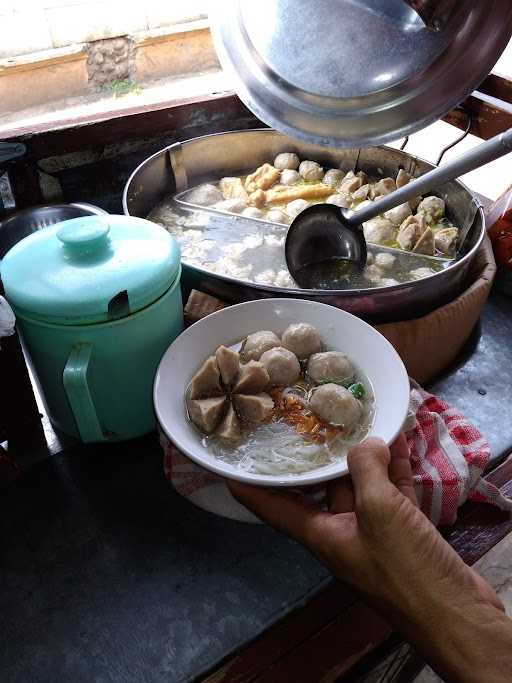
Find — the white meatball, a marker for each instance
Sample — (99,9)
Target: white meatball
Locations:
(362,193)
(342,200)
(231,205)
(310,170)
(446,240)
(252,212)
(257,343)
(302,339)
(278,216)
(379,230)
(297,206)
(336,405)
(398,215)
(286,160)
(433,207)
(289,177)
(205,195)
(266,277)
(283,279)
(333,177)
(373,274)
(420,273)
(388,282)
(384,260)
(330,366)
(382,188)
(351,183)
(282,366)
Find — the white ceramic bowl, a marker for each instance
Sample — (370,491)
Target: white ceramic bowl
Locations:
(369,350)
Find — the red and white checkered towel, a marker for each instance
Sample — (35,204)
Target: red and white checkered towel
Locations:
(448,457)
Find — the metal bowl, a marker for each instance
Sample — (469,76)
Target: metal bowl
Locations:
(25,222)
(211,157)
(355,72)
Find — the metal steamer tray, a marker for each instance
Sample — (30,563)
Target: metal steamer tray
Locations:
(182,166)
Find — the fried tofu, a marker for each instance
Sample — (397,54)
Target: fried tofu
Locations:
(233,188)
(263,177)
(288,194)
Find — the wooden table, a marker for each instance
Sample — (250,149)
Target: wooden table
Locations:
(108,575)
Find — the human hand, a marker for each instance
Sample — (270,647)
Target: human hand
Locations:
(374,536)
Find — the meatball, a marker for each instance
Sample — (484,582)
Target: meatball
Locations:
(206,413)
(382,188)
(286,161)
(228,362)
(206,382)
(361,194)
(253,378)
(330,366)
(373,273)
(278,216)
(420,273)
(257,343)
(310,170)
(289,177)
(410,231)
(252,212)
(205,195)
(257,408)
(339,199)
(294,208)
(384,260)
(388,282)
(398,215)
(231,205)
(302,339)
(351,183)
(336,405)
(333,177)
(229,428)
(379,230)
(446,240)
(432,207)
(282,366)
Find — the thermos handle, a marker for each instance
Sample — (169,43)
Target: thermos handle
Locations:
(79,395)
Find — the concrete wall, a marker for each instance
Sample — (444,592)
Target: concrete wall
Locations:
(48,76)
(28,26)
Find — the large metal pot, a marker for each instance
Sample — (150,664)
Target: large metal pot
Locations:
(211,157)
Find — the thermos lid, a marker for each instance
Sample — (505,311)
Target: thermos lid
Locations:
(90,270)
(352,73)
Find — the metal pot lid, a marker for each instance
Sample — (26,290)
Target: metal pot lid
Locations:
(350,73)
(90,270)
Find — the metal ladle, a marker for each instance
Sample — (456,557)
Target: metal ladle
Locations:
(325,232)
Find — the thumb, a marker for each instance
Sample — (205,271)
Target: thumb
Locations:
(286,512)
(368,464)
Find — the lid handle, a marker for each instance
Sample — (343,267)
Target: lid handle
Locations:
(84,235)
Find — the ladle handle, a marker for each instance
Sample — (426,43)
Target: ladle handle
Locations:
(488,151)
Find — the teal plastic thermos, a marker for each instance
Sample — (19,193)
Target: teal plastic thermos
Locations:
(97,301)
